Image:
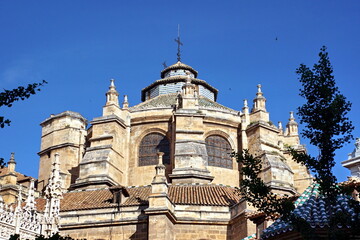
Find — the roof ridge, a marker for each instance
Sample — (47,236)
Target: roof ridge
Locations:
(137,186)
(202,184)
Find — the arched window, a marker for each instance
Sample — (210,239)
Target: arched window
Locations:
(150,145)
(218,150)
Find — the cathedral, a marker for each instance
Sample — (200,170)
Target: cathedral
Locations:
(162,169)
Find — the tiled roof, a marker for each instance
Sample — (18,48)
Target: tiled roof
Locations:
(102,198)
(251,237)
(168,100)
(202,194)
(352,181)
(178,65)
(312,207)
(212,195)
(20,177)
(161,101)
(175,79)
(40,204)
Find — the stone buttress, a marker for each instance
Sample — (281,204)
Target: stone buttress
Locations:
(190,150)
(104,162)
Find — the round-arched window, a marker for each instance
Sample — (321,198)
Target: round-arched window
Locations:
(150,145)
(219,152)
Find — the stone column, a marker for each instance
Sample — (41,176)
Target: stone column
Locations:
(160,211)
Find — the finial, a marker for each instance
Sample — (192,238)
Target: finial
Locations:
(12,158)
(125,103)
(2,204)
(30,201)
(179,43)
(188,79)
(18,207)
(357,144)
(112,82)
(246,107)
(164,64)
(160,156)
(280,126)
(259,88)
(291,116)
(56,158)
(112,94)
(12,163)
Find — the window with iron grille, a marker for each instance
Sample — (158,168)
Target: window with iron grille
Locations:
(218,150)
(150,145)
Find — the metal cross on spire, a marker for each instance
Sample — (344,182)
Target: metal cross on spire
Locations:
(177,40)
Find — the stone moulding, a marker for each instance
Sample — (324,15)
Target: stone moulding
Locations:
(66,113)
(107,119)
(63,145)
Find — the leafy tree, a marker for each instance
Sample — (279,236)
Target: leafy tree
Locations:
(255,191)
(328,128)
(56,236)
(14,237)
(8,97)
(326,124)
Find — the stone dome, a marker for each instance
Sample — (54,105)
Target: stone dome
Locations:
(176,68)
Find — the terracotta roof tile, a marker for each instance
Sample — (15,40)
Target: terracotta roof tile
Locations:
(138,196)
(102,198)
(168,100)
(40,204)
(20,177)
(210,195)
(86,200)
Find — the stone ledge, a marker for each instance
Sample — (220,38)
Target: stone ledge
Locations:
(189,131)
(107,119)
(66,113)
(101,138)
(349,162)
(57,147)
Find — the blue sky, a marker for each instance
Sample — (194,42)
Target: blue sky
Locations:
(77,46)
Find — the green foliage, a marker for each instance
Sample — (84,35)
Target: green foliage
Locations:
(56,236)
(324,116)
(328,128)
(8,97)
(14,237)
(256,191)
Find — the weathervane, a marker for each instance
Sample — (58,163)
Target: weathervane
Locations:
(179,43)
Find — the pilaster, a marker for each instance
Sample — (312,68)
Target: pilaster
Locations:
(190,150)
(160,211)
